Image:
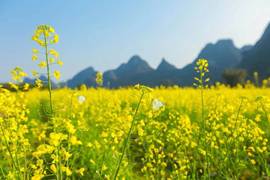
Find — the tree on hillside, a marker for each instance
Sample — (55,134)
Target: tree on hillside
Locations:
(233,77)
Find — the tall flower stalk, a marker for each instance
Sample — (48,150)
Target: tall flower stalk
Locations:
(143,90)
(45,36)
(201,69)
(201,82)
(48,70)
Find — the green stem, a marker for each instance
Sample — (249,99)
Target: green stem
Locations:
(265,112)
(206,169)
(202,101)
(60,175)
(202,104)
(236,126)
(9,151)
(238,112)
(48,72)
(127,138)
(2,171)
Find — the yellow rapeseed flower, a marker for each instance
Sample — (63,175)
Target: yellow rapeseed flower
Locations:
(42,64)
(57,75)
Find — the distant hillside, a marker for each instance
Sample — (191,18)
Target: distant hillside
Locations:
(127,73)
(42,78)
(257,58)
(221,55)
(86,76)
(246,48)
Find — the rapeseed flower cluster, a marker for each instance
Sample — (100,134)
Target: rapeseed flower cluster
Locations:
(99,79)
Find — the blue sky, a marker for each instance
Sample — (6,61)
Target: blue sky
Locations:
(105,33)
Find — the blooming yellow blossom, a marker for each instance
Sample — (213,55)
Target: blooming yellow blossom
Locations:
(81,171)
(60,63)
(42,64)
(57,75)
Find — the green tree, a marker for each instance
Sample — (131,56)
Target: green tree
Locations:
(233,77)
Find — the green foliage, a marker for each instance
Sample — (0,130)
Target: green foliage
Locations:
(233,77)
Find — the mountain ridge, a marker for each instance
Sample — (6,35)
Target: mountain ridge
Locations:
(221,55)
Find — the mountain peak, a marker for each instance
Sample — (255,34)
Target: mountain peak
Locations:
(89,69)
(219,45)
(266,31)
(164,61)
(222,54)
(165,66)
(81,77)
(135,65)
(135,60)
(225,42)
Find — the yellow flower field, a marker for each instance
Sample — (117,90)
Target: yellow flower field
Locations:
(84,138)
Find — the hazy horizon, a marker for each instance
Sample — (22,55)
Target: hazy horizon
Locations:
(104,34)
